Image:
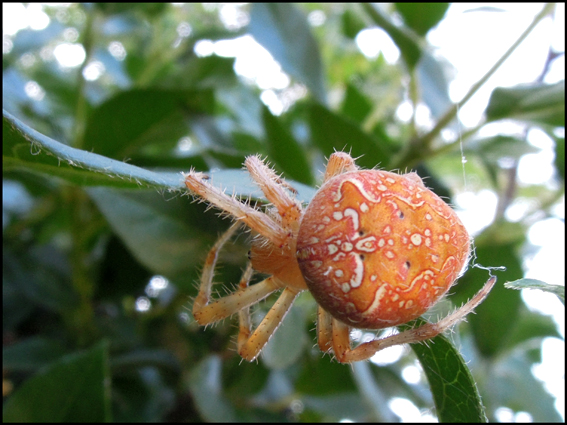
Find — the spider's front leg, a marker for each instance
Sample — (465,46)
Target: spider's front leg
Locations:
(197,183)
(341,333)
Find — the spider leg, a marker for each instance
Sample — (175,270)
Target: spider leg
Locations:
(249,347)
(255,219)
(206,313)
(244,314)
(341,338)
(273,187)
(339,163)
(324,330)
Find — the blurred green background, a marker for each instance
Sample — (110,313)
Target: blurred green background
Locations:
(105,105)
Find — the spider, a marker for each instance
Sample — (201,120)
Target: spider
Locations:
(374,248)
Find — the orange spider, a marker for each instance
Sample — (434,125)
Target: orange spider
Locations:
(375,249)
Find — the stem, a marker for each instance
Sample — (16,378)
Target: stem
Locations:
(82,317)
(422,146)
(81,107)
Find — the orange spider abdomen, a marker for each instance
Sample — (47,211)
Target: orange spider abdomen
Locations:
(378,249)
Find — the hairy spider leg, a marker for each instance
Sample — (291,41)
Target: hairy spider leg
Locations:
(249,346)
(324,330)
(257,220)
(273,187)
(341,332)
(206,313)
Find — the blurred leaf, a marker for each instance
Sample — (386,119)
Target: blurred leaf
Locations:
(405,40)
(531,326)
(560,156)
(205,384)
(284,150)
(372,395)
(331,132)
(35,275)
(534,103)
(496,148)
(168,237)
(145,357)
(243,379)
(131,119)
(421,17)
(74,389)
(351,24)
(434,84)
(141,396)
(355,105)
(538,284)
(149,9)
(31,354)
(283,30)
(332,377)
(513,385)
(336,407)
(209,72)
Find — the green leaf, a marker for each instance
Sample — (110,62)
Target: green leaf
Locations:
(404,39)
(355,105)
(560,156)
(351,24)
(167,236)
(209,72)
(332,377)
(421,17)
(512,384)
(452,385)
(74,389)
(34,275)
(25,149)
(123,124)
(531,326)
(205,385)
(538,284)
(372,395)
(496,148)
(283,30)
(331,132)
(31,354)
(541,104)
(141,357)
(434,84)
(284,150)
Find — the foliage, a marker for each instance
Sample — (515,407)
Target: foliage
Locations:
(102,247)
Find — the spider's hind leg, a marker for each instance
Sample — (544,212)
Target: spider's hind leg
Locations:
(341,338)
(205,311)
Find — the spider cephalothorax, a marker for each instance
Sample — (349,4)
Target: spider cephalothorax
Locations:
(376,249)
